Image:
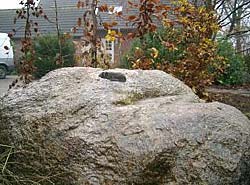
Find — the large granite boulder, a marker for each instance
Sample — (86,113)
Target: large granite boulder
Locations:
(80,126)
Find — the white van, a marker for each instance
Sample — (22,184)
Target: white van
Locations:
(6,55)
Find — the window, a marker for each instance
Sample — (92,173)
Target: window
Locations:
(108,45)
(110,56)
(109,48)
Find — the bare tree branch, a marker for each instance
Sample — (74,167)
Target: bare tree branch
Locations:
(234,10)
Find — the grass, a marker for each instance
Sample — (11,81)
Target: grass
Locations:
(6,175)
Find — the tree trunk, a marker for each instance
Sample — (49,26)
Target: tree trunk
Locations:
(94,31)
(238,28)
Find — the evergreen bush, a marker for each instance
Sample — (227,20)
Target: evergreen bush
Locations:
(247,61)
(153,40)
(47,54)
(236,70)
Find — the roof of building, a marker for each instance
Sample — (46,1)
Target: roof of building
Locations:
(68,13)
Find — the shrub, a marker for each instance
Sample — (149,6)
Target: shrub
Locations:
(183,48)
(150,41)
(247,62)
(236,70)
(47,53)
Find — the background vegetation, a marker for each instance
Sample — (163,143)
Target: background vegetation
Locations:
(236,71)
(183,47)
(47,52)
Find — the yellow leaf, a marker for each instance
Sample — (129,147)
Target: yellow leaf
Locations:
(154,53)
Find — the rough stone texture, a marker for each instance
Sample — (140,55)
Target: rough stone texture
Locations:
(74,127)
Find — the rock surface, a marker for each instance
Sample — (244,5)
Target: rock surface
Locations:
(78,126)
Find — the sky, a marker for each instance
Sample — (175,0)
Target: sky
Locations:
(9,4)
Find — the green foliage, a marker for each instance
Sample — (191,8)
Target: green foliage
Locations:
(235,72)
(247,62)
(47,54)
(153,40)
